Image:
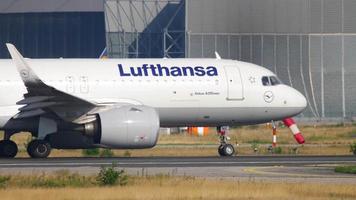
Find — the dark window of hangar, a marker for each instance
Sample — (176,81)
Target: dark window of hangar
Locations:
(53,35)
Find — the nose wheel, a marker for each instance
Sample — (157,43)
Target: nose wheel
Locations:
(225,149)
(38,149)
(8,149)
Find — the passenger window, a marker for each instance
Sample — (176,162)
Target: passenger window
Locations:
(265,81)
(274,80)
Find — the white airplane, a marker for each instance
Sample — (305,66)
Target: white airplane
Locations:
(122,103)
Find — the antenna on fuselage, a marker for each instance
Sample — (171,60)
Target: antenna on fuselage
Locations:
(217,56)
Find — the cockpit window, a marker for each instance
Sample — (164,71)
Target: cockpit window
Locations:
(265,81)
(274,80)
(270,80)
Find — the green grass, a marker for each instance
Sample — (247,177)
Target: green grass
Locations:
(57,180)
(109,176)
(277,150)
(258,141)
(96,152)
(319,138)
(346,169)
(91,152)
(4,180)
(353,148)
(127,153)
(161,187)
(352,134)
(64,178)
(107,153)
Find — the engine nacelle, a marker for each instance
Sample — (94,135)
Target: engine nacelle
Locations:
(128,127)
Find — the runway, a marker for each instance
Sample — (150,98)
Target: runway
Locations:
(319,169)
(149,162)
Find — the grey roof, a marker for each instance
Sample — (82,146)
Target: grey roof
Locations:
(26,6)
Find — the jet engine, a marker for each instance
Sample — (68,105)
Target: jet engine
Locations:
(125,127)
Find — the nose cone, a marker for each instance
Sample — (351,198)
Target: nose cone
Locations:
(297,100)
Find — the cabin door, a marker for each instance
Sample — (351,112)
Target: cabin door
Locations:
(234,83)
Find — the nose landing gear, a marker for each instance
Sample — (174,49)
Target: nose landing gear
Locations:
(225,149)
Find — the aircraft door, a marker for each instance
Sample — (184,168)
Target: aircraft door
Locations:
(70,88)
(234,83)
(84,85)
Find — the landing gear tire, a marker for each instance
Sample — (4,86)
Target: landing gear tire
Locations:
(8,149)
(38,149)
(220,150)
(226,150)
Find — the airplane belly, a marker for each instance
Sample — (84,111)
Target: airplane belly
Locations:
(4,120)
(6,112)
(173,117)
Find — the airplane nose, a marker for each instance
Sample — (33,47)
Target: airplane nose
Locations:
(294,101)
(302,101)
(298,100)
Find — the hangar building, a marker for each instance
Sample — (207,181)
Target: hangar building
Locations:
(309,44)
(53,28)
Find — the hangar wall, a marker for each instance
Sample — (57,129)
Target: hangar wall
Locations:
(309,44)
(145,28)
(53,28)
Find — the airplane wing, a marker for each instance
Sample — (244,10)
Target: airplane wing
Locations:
(44,100)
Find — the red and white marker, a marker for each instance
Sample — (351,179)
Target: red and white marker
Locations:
(274,133)
(295,130)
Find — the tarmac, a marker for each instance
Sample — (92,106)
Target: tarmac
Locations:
(319,169)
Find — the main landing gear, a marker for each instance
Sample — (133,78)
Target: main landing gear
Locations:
(39,149)
(225,149)
(36,148)
(8,149)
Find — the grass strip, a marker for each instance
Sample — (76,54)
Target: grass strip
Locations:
(162,187)
(350,169)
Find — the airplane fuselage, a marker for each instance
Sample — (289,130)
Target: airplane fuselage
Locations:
(185,92)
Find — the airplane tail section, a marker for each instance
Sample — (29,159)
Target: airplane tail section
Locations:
(28,76)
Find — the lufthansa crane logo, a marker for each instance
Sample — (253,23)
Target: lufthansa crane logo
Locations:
(24,73)
(268,96)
